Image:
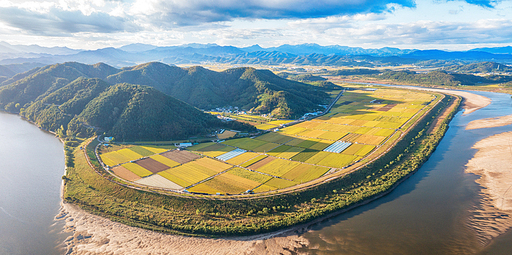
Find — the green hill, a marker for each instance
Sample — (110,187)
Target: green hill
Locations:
(258,91)
(481,67)
(130,112)
(440,78)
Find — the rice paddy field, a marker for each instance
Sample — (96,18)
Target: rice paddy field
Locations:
(362,121)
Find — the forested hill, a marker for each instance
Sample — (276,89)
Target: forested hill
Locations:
(87,106)
(481,67)
(259,91)
(440,78)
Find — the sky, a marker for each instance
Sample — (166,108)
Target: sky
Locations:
(406,24)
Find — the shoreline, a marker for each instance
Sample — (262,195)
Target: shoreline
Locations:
(94,234)
(490,122)
(493,164)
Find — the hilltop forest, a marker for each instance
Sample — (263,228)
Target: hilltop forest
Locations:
(152,101)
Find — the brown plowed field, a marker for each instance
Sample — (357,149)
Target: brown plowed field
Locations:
(261,163)
(181,157)
(152,165)
(125,173)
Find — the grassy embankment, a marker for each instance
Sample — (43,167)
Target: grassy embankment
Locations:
(216,217)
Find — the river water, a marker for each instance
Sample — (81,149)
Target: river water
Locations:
(31,166)
(426,214)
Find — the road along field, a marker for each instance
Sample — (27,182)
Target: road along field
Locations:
(361,125)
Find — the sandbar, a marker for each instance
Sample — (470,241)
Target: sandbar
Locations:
(97,235)
(493,164)
(490,122)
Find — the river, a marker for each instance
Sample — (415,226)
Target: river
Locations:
(31,166)
(426,214)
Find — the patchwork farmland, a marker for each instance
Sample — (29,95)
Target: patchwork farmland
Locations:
(360,123)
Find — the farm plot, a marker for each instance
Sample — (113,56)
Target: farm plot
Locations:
(257,177)
(158,149)
(245,143)
(169,163)
(290,152)
(279,150)
(158,181)
(333,160)
(370,139)
(187,174)
(260,163)
(274,137)
(125,173)
(136,169)
(278,167)
(278,183)
(265,147)
(229,155)
(212,164)
(151,165)
(181,157)
(305,155)
(226,134)
(305,173)
(141,151)
(129,154)
(225,183)
(254,160)
(215,150)
(242,158)
(338,147)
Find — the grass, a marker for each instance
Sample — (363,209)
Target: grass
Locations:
(138,170)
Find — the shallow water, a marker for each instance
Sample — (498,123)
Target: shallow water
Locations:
(427,213)
(31,166)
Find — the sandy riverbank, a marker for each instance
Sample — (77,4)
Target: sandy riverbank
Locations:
(490,122)
(493,163)
(97,235)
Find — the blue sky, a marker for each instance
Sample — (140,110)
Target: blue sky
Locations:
(419,24)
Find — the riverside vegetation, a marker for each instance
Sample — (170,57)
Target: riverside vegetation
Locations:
(89,186)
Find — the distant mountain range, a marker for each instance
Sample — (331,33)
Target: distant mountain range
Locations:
(303,54)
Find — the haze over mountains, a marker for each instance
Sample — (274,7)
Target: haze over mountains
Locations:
(304,54)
